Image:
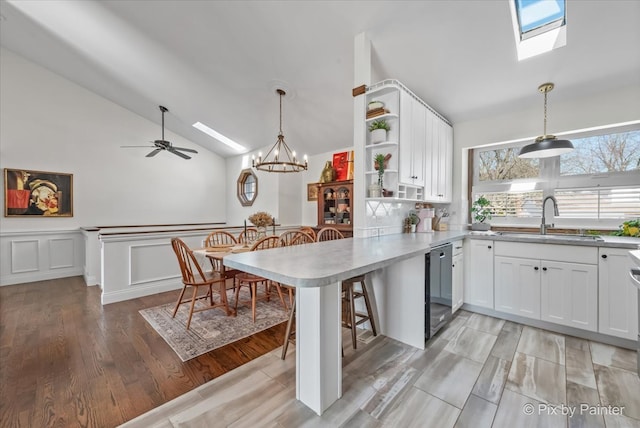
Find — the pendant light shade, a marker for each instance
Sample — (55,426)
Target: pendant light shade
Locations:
(280,158)
(546,145)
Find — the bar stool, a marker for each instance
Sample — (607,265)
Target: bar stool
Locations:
(290,333)
(350,317)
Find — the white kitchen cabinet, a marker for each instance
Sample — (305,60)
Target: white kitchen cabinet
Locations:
(563,291)
(457,276)
(618,302)
(517,286)
(412,140)
(439,160)
(478,273)
(569,294)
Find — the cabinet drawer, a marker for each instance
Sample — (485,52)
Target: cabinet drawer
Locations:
(560,253)
(457,247)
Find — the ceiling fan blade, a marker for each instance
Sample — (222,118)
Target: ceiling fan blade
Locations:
(134,146)
(182,155)
(154,152)
(185,149)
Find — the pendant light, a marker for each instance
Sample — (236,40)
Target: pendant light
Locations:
(546,146)
(282,158)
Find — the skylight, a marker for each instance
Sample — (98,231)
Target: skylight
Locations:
(218,136)
(539,26)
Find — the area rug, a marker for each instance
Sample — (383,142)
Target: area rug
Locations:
(213,328)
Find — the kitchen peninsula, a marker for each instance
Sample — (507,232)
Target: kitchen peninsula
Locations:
(396,264)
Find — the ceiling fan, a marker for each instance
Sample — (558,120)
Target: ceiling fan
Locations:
(163,144)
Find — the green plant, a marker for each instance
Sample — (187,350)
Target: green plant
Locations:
(379,161)
(480,209)
(413,217)
(629,228)
(379,124)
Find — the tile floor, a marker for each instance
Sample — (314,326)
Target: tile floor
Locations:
(477,372)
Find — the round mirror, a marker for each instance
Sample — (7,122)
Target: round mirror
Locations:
(247,187)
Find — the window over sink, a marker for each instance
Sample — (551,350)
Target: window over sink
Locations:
(596,185)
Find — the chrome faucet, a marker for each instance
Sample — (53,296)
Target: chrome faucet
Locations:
(543,225)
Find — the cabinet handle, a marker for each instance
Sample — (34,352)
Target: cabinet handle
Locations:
(489,246)
(453,265)
(604,256)
(544,269)
(536,268)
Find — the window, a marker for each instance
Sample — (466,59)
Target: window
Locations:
(515,204)
(618,152)
(614,203)
(504,164)
(537,16)
(596,185)
(539,26)
(247,190)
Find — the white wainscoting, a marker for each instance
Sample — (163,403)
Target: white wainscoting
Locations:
(136,265)
(40,255)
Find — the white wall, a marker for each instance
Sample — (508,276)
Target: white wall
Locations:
(267,199)
(282,195)
(591,110)
(48,123)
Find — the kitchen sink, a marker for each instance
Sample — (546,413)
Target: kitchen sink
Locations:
(553,237)
(537,236)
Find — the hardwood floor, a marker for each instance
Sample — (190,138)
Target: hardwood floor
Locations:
(66,360)
(477,372)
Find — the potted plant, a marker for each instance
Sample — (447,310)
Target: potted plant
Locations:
(379,163)
(413,220)
(481,212)
(378,129)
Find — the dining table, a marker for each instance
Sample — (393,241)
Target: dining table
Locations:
(218,253)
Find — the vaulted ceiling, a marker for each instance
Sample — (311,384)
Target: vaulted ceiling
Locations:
(219,62)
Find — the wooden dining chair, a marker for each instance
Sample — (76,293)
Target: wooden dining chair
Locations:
(193,276)
(309,231)
(329,234)
(252,281)
(289,237)
(221,237)
(251,235)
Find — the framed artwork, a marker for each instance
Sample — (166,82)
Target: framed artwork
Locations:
(312,191)
(30,193)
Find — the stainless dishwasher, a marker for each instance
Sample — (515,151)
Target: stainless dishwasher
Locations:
(438,294)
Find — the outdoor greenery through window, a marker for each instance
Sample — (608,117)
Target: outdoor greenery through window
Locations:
(597,184)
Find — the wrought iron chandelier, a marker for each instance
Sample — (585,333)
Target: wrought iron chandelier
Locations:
(546,146)
(280,157)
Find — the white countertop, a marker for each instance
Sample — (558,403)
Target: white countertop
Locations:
(323,263)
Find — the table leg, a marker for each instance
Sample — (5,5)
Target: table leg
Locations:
(318,346)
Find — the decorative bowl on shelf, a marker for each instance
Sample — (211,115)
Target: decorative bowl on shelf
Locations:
(374,105)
